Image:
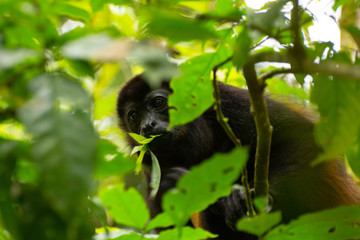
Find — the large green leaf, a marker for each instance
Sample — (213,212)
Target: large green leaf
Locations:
(126,206)
(185,233)
(178,28)
(73,10)
(161,220)
(203,185)
(259,224)
(338,105)
(193,91)
(334,224)
(64,140)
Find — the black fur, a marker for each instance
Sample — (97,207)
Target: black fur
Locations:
(295,187)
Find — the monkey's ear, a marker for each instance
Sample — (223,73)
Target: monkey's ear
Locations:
(133,91)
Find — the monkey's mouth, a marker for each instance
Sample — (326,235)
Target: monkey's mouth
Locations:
(160,143)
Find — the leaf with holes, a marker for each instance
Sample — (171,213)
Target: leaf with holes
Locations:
(186,233)
(193,91)
(333,224)
(204,184)
(259,224)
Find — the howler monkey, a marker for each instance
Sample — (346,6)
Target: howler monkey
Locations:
(295,187)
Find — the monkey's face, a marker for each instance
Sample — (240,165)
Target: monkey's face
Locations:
(145,111)
(149,116)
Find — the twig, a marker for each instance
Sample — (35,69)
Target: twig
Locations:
(224,123)
(346,71)
(272,73)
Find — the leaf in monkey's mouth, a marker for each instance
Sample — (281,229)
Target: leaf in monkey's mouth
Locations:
(155,168)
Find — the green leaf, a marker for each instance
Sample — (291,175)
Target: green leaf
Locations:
(109,162)
(26,172)
(204,184)
(333,224)
(77,68)
(193,91)
(178,28)
(185,233)
(141,139)
(64,141)
(97,5)
(126,206)
(73,10)
(224,6)
(139,160)
(271,21)
(241,48)
(281,87)
(339,3)
(338,105)
(155,176)
(161,220)
(353,156)
(259,224)
(135,150)
(155,180)
(133,236)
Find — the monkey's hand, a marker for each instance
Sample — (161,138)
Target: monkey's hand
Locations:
(233,207)
(168,181)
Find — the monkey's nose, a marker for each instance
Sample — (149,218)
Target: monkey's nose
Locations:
(149,129)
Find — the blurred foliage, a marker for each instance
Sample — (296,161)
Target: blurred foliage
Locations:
(65,171)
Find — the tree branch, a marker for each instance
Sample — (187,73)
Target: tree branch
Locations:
(328,67)
(223,121)
(263,129)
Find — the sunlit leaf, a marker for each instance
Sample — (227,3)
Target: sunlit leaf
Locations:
(333,224)
(126,206)
(185,233)
(193,92)
(73,10)
(161,220)
(259,224)
(178,28)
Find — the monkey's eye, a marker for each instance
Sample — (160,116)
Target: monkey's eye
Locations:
(132,115)
(159,102)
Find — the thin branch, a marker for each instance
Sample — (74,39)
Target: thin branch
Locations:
(329,67)
(223,121)
(263,129)
(272,73)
